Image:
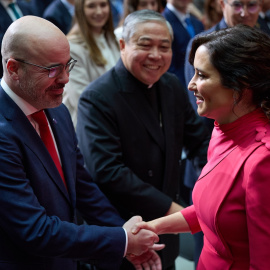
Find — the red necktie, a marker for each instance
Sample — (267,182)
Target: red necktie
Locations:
(47,139)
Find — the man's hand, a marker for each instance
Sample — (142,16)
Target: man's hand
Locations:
(142,241)
(147,261)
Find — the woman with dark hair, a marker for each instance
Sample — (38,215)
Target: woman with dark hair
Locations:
(231,197)
(93,45)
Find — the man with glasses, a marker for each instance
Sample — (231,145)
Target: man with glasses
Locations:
(234,12)
(43,182)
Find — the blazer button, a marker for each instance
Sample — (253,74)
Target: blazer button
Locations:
(180,162)
(150,173)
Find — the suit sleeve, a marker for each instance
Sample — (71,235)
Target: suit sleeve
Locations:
(26,222)
(100,142)
(257,207)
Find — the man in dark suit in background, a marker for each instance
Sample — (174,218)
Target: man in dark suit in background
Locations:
(133,123)
(38,6)
(185,26)
(264,17)
(43,182)
(60,13)
(10,11)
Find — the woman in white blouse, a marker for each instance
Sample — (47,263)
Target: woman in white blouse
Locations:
(93,45)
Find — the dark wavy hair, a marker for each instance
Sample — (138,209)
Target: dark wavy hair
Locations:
(241,55)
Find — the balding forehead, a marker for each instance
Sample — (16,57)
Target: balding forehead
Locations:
(34,26)
(28,33)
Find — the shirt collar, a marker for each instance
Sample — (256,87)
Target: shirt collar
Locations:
(180,15)
(6,3)
(22,104)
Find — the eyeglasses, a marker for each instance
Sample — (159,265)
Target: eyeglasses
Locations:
(56,70)
(238,7)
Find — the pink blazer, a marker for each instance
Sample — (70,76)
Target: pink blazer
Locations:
(232,207)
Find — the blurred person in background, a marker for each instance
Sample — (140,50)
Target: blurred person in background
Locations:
(11,10)
(185,26)
(264,16)
(93,45)
(212,13)
(133,5)
(38,6)
(60,13)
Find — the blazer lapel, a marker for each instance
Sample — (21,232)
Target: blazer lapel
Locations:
(224,181)
(31,139)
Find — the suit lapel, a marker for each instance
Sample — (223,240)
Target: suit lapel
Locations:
(176,24)
(132,92)
(31,139)
(56,125)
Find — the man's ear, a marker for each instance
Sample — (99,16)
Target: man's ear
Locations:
(122,44)
(12,68)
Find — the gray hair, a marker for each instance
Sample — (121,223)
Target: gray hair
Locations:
(142,16)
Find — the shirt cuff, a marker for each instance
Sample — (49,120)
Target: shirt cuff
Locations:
(125,253)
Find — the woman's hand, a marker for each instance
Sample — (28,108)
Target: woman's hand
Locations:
(143,225)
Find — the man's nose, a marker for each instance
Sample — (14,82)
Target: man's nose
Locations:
(154,53)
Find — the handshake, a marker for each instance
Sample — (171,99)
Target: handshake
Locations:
(141,246)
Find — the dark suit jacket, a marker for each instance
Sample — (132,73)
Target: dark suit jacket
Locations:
(39,6)
(6,21)
(180,42)
(262,24)
(58,14)
(135,163)
(38,214)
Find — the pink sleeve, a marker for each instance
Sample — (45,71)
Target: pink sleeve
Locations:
(190,216)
